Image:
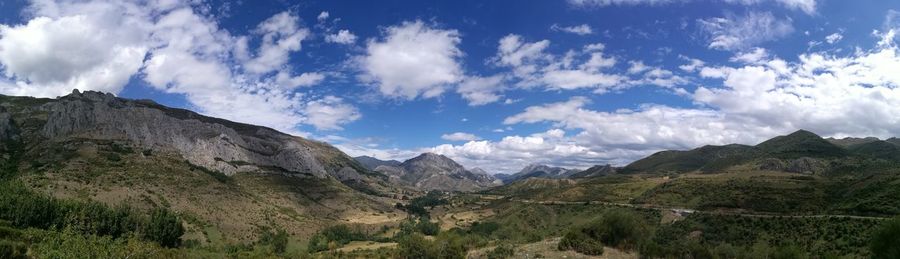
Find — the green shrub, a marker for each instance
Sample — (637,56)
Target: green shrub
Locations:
(502,251)
(336,235)
(579,241)
(886,240)
(616,228)
(164,228)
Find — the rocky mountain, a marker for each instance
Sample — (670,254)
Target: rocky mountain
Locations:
(798,152)
(371,163)
(431,171)
(539,171)
(229,176)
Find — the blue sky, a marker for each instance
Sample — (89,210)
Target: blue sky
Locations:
(492,84)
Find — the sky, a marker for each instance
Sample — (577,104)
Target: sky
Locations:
(492,84)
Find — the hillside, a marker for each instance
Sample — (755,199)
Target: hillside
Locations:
(799,173)
(228,180)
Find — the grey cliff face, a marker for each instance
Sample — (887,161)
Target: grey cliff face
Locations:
(213,143)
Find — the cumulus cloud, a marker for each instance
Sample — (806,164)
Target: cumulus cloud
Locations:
(481,90)
(49,57)
(413,59)
(460,136)
(330,112)
(586,68)
(101,45)
(741,32)
(583,29)
(341,37)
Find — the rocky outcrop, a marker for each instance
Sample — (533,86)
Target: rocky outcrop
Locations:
(431,171)
(216,144)
(8,130)
(803,165)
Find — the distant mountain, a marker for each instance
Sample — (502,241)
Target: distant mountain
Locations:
(800,152)
(539,171)
(371,163)
(431,171)
(595,171)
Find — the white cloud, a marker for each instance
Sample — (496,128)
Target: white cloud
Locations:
(833,38)
(751,57)
(692,65)
(342,37)
(459,136)
(330,112)
(637,67)
(323,16)
(413,60)
(583,29)
(48,57)
(807,6)
(742,32)
(481,90)
(101,45)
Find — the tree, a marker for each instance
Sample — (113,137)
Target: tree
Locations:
(886,240)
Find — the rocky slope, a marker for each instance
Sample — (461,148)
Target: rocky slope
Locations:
(539,171)
(229,176)
(431,171)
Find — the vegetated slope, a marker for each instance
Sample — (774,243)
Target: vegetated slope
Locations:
(800,173)
(800,152)
(431,171)
(228,180)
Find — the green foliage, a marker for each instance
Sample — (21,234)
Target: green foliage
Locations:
(617,228)
(581,242)
(164,228)
(415,246)
(419,206)
(886,240)
(335,236)
(277,240)
(502,251)
(24,208)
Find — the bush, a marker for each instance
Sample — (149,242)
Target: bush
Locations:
(579,241)
(278,240)
(886,240)
(616,228)
(334,236)
(502,251)
(164,228)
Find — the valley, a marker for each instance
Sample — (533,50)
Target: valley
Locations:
(90,174)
